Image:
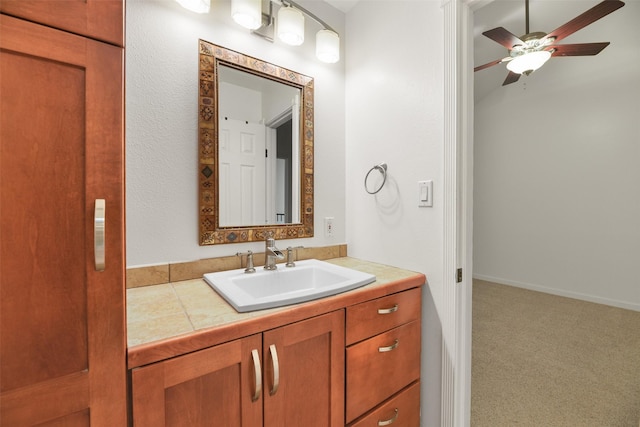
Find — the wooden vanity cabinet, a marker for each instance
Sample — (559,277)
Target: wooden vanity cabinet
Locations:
(289,376)
(200,388)
(62,338)
(383,361)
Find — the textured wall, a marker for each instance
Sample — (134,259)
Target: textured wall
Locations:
(161,119)
(395,114)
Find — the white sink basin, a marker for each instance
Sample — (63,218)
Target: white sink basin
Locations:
(308,280)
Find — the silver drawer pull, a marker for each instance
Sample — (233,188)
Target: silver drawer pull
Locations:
(390,420)
(388,310)
(390,348)
(258,375)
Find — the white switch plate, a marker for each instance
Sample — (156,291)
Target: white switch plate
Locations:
(328,226)
(425,193)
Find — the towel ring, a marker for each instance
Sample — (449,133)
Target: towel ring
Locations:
(382,167)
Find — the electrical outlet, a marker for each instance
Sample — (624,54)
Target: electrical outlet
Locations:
(328,226)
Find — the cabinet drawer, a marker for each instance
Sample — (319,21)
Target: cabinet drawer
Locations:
(402,410)
(381,366)
(373,317)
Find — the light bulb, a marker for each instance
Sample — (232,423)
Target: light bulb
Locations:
(198,6)
(327,46)
(247,13)
(290,26)
(528,62)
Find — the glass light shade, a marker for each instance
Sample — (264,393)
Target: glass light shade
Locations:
(247,13)
(528,62)
(198,6)
(290,26)
(328,46)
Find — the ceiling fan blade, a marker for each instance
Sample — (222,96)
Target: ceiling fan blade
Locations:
(504,37)
(582,49)
(590,16)
(487,65)
(511,78)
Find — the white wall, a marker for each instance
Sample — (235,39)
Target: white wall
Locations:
(557,175)
(161,125)
(395,114)
(394,103)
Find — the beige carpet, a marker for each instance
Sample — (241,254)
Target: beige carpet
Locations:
(543,360)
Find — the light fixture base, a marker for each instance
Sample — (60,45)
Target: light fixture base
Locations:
(267,30)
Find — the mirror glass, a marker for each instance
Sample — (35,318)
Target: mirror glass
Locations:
(255,149)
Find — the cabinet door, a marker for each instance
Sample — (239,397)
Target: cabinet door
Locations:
(98,19)
(62,342)
(304,373)
(220,385)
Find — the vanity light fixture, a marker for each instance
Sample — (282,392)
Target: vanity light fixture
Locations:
(247,13)
(528,62)
(288,24)
(198,6)
(328,46)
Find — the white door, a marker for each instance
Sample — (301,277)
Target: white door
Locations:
(241,159)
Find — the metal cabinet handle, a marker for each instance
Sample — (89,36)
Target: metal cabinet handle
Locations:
(390,420)
(388,310)
(258,375)
(389,348)
(98,233)
(276,369)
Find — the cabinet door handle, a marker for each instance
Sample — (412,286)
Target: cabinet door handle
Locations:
(258,374)
(389,348)
(390,420)
(98,234)
(388,310)
(276,369)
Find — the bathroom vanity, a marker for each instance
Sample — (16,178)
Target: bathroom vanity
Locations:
(349,359)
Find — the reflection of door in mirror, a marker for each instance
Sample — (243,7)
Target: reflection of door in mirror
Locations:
(259,175)
(241,169)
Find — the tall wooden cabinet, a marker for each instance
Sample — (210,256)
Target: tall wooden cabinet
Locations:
(62,319)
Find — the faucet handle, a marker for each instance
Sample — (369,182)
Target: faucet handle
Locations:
(290,262)
(249,268)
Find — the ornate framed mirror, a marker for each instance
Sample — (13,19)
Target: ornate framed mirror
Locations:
(255,149)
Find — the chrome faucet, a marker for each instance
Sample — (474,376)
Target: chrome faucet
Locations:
(249,269)
(271,253)
(290,262)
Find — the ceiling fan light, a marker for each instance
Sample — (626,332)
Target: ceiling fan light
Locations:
(327,46)
(247,13)
(528,62)
(290,26)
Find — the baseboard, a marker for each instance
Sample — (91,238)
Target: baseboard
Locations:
(560,292)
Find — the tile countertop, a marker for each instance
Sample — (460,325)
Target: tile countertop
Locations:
(174,318)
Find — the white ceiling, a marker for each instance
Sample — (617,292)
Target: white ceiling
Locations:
(544,16)
(343,5)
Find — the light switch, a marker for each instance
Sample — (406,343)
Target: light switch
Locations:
(425,193)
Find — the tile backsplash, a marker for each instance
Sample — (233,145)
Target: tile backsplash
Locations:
(165,273)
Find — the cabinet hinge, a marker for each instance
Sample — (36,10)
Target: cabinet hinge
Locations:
(459,276)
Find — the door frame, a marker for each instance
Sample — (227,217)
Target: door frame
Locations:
(458,210)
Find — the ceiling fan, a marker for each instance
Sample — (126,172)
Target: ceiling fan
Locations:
(530,51)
